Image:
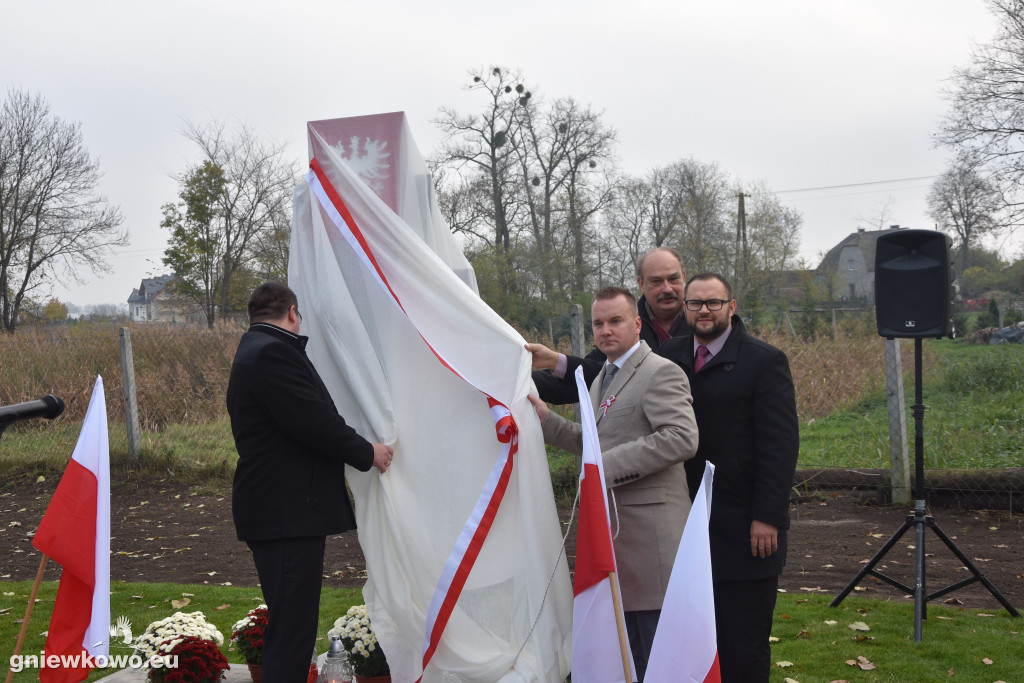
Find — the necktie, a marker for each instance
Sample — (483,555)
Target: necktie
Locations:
(702,357)
(609,375)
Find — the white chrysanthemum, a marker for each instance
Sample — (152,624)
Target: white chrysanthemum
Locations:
(172,628)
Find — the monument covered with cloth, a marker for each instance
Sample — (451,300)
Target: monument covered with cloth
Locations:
(467,580)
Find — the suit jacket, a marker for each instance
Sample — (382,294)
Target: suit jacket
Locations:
(562,390)
(292,444)
(648,432)
(745,406)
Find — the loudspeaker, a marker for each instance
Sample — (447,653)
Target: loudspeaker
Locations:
(913,284)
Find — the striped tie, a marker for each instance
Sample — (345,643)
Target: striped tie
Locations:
(702,357)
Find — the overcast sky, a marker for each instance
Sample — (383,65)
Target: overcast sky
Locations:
(796,93)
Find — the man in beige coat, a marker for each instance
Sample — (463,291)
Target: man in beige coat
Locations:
(647,430)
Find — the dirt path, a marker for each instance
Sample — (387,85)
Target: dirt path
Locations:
(164,531)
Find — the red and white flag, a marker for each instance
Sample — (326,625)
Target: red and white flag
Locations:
(685,648)
(596,653)
(75,532)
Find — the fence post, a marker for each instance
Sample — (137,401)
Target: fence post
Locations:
(576,338)
(899,459)
(131,404)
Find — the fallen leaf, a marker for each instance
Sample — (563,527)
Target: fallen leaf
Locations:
(945,618)
(982,614)
(40,479)
(773,639)
(812,590)
(831,622)
(859,626)
(864,663)
(791,680)
(224,606)
(1001,545)
(783,665)
(804,633)
(993,528)
(178,604)
(986,661)
(950,672)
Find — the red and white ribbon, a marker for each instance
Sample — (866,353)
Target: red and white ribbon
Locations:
(467,548)
(606,405)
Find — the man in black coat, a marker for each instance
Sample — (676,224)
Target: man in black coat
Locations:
(745,405)
(289,490)
(661,277)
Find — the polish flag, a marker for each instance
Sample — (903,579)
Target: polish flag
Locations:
(596,648)
(685,648)
(75,532)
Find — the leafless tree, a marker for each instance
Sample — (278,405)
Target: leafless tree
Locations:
(986,116)
(698,215)
(52,219)
(242,212)
(965,205)
(565,161)
(487,143)
(773,235)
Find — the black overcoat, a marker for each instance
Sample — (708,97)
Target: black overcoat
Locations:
(292,444)
(745,405)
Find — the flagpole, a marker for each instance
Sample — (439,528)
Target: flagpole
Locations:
(28,615)
(619,621)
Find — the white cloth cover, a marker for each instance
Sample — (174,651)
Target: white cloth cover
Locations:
(513,619)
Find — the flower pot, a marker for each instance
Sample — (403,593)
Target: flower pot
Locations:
(256,672)
(373,679)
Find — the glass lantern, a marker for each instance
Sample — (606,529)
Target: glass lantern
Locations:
(336,667)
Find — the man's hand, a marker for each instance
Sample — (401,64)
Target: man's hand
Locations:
(543,357)
(382,456)
(540,406)
(764,539)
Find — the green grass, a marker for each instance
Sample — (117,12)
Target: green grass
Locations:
(974,417)
(144,603)
(953,646)
(193,453)
(953,639)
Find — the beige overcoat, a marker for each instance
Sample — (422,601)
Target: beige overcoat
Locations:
(646,433)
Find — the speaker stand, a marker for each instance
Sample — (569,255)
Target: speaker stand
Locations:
(918,521)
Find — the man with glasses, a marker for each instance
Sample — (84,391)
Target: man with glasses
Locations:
(289,493)
(745,405)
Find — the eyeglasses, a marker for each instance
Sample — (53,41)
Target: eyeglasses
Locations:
(712,304)
(297,314)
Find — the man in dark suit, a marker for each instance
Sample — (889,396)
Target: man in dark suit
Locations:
(660,276)
(289,487)
(646,427)
(745,405)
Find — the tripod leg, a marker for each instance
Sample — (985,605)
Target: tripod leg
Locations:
(970,566)
(874,560)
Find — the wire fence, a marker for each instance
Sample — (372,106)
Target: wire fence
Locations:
(181,375)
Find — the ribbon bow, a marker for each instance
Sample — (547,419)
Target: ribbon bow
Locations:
(606,405)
